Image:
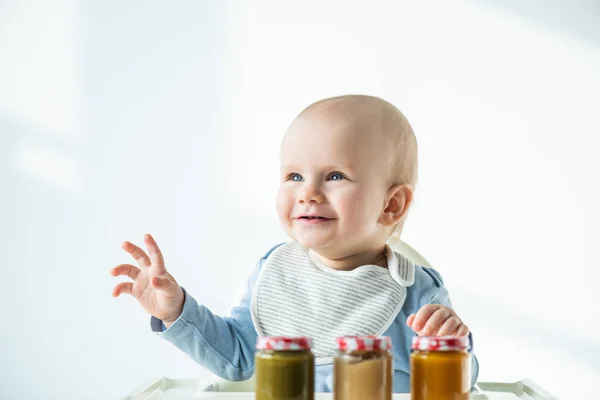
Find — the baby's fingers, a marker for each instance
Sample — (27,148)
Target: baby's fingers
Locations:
(155,253)
(123,287)
(138,254)
(410,319)
(125,269)
(462,330)
(435,322)
(450,326)
(423,315)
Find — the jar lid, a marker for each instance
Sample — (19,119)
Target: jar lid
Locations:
(440,343)
(365,343)
(287,343)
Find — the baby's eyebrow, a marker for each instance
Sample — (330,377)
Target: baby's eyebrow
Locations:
(325,168)
(290,167)
(338,167)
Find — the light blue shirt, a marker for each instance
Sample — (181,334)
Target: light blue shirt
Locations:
(226,345)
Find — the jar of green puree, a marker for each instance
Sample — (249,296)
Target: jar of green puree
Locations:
(284,368)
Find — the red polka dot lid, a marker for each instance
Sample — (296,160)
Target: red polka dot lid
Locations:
(283,343)
(440,343)
(364,343)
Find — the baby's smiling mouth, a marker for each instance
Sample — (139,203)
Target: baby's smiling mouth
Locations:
(312,219)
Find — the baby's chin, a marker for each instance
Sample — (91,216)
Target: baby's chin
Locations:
(315,242)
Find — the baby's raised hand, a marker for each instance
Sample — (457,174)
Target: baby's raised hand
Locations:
(437,320)
(155,289)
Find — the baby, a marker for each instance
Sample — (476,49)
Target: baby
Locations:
(348,169)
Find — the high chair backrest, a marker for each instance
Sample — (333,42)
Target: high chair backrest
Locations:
(401,247)
(407,251)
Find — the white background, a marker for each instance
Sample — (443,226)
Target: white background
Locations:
(124,117)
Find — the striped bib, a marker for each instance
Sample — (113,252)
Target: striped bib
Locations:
(297,295)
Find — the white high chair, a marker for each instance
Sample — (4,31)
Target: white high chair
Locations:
(223,385)
(521,389)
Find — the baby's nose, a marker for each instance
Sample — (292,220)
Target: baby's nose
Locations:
(311,194)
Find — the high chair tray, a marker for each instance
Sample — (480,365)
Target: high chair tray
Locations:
(192,389)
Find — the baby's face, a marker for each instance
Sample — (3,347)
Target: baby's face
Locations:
(334,182)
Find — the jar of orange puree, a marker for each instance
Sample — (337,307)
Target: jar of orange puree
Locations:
(440,368)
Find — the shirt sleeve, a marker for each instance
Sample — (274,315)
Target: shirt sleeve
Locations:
(223,345)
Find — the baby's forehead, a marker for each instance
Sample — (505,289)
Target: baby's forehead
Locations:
(333,146)
(333,124)
(322,121)
(342,132)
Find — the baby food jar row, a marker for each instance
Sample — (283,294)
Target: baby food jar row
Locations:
(362,368)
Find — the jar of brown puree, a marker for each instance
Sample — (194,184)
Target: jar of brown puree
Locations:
(440,368)
(362,368)
(284,368)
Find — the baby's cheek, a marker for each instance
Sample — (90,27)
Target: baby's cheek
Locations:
(284,210)
(359,211)
(283,205)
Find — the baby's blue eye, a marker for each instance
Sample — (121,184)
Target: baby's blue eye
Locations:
(336,176)
(295,177)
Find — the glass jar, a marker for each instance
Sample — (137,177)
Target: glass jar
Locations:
(362,368)
(440,368)
(284,368)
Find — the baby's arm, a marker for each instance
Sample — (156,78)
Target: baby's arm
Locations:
(224,345)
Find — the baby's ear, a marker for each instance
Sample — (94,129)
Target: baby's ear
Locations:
(398,200)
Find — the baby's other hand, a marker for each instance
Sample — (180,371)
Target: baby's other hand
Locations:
(437,320)
(154,288)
